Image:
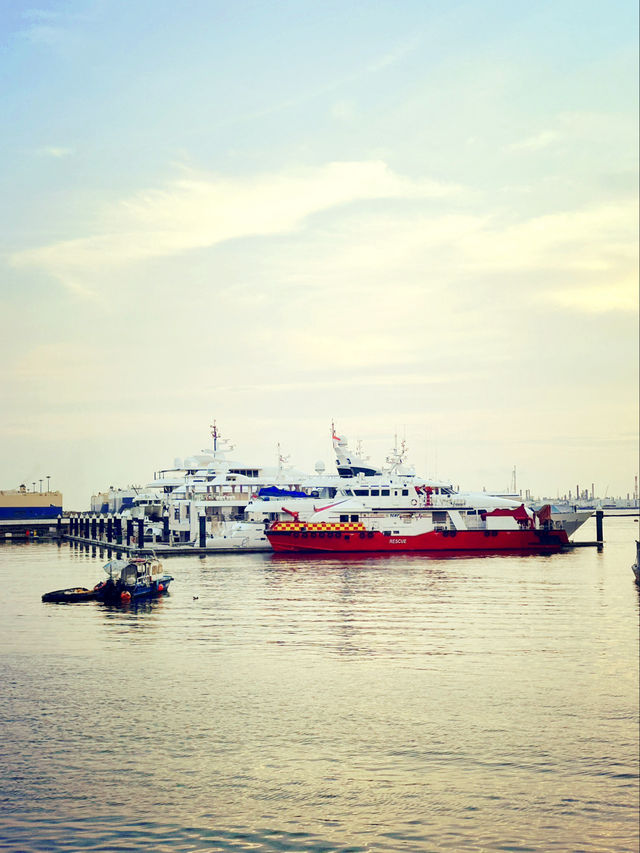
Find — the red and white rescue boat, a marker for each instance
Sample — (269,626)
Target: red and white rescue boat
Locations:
(344,528)
(395,510)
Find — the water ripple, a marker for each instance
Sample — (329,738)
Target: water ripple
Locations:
(298,704)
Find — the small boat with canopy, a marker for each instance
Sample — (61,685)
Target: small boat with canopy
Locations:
(129,579)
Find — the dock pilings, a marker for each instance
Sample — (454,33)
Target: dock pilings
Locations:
(599,526)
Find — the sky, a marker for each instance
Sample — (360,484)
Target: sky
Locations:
(410,217)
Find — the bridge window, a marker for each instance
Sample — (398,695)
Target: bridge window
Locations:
(355,518)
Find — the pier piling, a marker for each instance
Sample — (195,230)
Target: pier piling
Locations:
(599,536)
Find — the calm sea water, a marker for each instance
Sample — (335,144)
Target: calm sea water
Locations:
(277,703)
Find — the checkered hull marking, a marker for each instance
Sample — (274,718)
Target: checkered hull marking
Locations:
(318,527)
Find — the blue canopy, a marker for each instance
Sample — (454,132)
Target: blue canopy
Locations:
(275,492)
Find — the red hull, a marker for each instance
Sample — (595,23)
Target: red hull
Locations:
(487,541)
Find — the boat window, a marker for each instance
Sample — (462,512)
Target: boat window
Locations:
(405,491)
(354,518)
(375,493)
(385,493)
(344,518)
(362,492)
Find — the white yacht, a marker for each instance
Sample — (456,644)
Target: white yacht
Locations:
(215,487)
(393,487)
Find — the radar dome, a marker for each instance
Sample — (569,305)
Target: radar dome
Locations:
(319,466)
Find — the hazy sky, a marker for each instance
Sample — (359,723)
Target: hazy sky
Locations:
(413,217)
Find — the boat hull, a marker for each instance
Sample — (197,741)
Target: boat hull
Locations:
(70,596)
(117,593)
(450,541)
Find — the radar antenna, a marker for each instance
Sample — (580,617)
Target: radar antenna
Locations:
(215,435)
(282,460)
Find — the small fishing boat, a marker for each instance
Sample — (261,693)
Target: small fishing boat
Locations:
(636,566)
(132,579)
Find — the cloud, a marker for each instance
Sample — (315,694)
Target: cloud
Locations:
(55,151)
(535,143)
(343,110)
(394,56)
(379,258)
(614,296)
(200,210)
(47,27)
(583,259)
(591,240)
(44,34)
(46,363)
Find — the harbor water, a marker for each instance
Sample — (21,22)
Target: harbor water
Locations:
(283,703)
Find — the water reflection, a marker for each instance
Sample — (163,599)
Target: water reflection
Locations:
(279,703)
